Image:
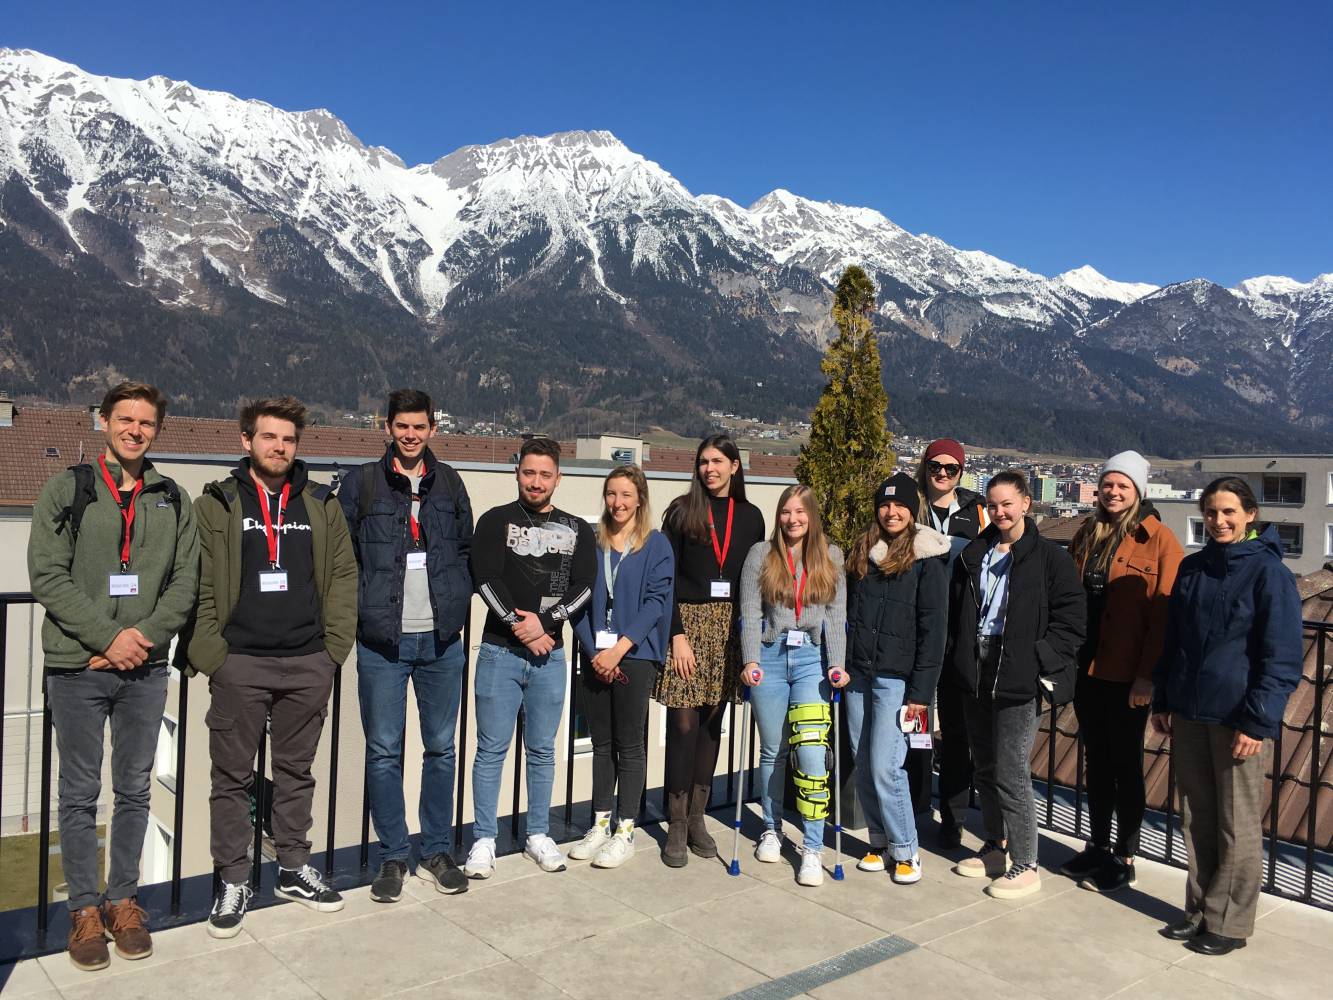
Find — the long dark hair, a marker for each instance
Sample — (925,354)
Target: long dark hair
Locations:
(1230,484)
(688,513)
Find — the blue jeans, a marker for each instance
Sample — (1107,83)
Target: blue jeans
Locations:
(791,677)
(872,703)
(435,667)
(508,680)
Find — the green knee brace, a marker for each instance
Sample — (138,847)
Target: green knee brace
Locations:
(810,726)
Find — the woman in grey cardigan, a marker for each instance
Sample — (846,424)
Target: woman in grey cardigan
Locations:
(793,640)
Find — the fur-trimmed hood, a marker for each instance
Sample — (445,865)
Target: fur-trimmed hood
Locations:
(928,544)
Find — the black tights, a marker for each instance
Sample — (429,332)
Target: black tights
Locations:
(693,738)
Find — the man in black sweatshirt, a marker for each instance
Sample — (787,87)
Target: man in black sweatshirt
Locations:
(535,567)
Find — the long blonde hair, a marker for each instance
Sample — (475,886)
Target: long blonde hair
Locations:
(898,559)
(821,573)
(1101,533)
(643,517)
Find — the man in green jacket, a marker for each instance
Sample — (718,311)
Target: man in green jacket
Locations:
(277,616)
(113,557)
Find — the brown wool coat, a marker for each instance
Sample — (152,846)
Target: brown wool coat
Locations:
(1138,589)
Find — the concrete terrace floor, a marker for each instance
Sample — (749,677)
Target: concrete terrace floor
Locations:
(648,931)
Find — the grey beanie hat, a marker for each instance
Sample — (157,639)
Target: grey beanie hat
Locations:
(1130,464)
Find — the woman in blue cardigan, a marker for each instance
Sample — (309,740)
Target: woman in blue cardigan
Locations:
(1231,658)
(625,633)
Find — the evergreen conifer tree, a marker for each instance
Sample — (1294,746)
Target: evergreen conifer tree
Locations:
(849,452)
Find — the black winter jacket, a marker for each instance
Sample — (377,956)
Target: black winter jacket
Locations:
(1044,620)
(383,537)
(968,521)
(898,625)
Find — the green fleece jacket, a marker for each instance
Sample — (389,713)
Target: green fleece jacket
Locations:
(219,514)
(73,582)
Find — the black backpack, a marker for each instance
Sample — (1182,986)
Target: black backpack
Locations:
(85,492)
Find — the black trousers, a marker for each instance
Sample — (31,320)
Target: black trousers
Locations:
(616,714)
(1113,746)
(954,754)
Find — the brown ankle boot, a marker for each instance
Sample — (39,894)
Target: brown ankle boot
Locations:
(127,923)
(87,940)
(674,854)
(700,840)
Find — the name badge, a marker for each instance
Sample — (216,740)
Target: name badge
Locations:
(919,741)
(606,638)
(719,588)
(274,582)
(124,585)
(416,560)
(795,637)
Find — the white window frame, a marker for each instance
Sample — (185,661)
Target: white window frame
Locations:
(1267,501)
(1300,538)
(1190,525)
(1328,540)
(157,852)
(164,757)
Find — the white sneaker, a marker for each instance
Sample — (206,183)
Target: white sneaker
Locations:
(481,859)
(812,868)
(593,841)
(907,872)
(769,848)
(872,860)
(617,851)
(542,850)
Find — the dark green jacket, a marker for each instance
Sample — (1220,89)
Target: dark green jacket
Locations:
(219,514)
(73,582)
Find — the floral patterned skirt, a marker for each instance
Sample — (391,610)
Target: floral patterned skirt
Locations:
(715,638)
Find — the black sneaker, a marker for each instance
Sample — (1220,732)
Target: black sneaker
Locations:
(440,871)
(224,920)
(1113,875)
(303,885)
(950,835)
(388,884)
(1088,861)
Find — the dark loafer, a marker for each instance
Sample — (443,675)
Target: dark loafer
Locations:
(1209,943)
(1181,930)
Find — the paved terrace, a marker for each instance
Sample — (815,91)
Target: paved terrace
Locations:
(646,931)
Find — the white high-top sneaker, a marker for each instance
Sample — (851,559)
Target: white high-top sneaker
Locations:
(594,840)
(812,868)
(618,849)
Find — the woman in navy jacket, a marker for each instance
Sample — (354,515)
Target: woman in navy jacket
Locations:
(625,635)
(1231,658)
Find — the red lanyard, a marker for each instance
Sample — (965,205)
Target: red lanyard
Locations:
(411,518)
(126,512)
(721,550)
(799,584)
(270,532)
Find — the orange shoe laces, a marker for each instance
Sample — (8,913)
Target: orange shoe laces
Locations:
(126,915)
(87,925)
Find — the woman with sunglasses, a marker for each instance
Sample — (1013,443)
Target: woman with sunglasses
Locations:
(961,515)
(625,635)
(1231,658)
(710,528)
(793,638)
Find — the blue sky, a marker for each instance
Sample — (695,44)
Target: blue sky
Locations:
(1155,141)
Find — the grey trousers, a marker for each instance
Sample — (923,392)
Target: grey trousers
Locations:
(81,702)
(292,693)
(1222,802)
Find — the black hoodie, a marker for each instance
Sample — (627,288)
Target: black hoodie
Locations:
(278,623)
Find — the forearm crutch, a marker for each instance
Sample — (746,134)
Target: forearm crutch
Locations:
(735,868)
(837,781)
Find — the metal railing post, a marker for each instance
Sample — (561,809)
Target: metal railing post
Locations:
(1316,733)
(44,851)
(260,796)
(577,663)
(518,774)
(460,742)
(178,811)
(333,771)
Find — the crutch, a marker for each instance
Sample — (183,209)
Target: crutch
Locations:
(837,781)
(735,868)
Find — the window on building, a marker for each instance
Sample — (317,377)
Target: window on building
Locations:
(1328,539)
(1330,489)
(1291,536)
(1283,489)
(1196,532)
(164,763)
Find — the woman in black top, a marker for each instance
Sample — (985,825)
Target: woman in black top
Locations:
(711,529)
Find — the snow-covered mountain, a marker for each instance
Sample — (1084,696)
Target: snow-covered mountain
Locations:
(192,197)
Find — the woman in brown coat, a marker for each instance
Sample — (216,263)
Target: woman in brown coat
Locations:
(1128,560)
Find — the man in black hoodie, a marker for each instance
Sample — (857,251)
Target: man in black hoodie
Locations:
(276,617)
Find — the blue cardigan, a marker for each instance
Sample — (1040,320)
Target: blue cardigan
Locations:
(645,585)
(1233,649)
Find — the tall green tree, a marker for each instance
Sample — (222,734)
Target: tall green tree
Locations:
(850,450)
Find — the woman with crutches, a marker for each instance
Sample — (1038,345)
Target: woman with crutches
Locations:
(793,629)
(897,613)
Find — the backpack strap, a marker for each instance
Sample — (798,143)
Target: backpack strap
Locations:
(365,496)
(85,492)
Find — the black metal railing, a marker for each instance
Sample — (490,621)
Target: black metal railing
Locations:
(1306,869)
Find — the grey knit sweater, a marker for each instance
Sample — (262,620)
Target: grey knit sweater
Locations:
(825,624)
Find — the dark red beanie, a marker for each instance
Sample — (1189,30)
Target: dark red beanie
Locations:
(945,446)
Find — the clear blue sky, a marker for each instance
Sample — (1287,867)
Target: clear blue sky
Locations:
(1155,141)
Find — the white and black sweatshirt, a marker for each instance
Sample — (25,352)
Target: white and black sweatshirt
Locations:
(530,561)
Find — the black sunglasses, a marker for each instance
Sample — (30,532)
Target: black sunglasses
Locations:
(950,469)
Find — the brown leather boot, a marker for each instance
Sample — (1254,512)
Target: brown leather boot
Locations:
(701,841)
(87,940)
(127,924)
(674,854)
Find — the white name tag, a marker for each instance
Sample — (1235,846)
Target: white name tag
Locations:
(124,585)
(416,560)
(274,582)
(795,637)
(606,638)
(719,588)
(919,741)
